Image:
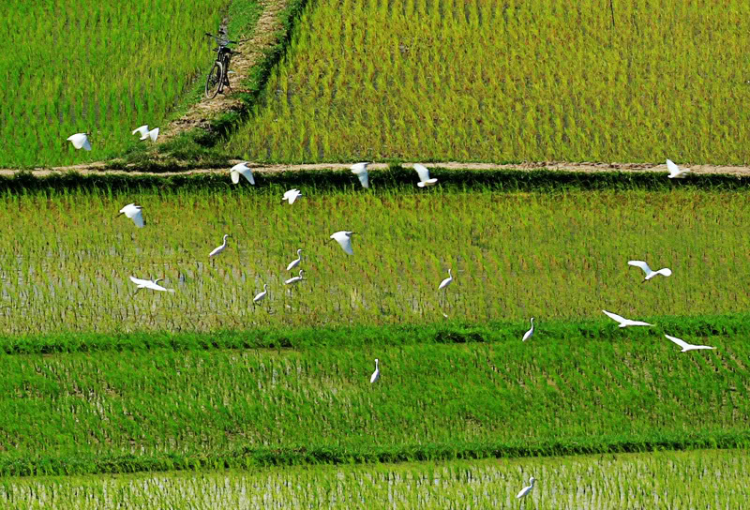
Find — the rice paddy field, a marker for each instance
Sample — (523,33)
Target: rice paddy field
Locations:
(66,259)
(701,479)
(517,80)
(130,71)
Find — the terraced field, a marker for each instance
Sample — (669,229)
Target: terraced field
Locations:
(534,80)
(702,479)
(65,260)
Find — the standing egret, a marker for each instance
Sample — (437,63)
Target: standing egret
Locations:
(149,284)
(146,134)
(261,295)
(675,172)
(135,213)
(219,249)
(525,491)
(244,170)
(686,346)
(360,170)
(530,332)
(424,176)
(376,374)
(80,141)
(446,282)
(344,238)
(296,279)
(291,195)
(649,273)
(624,323)
(296,261)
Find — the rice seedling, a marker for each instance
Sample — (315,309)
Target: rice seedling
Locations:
(701,479)
(66,260)
(508,81)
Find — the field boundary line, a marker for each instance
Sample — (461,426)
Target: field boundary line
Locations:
(583,167)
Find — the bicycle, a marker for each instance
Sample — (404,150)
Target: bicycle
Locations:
(218,76)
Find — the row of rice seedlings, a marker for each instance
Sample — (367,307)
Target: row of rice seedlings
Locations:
(499,81)
(701,479)
(130,72)
(65,261)
(543,396)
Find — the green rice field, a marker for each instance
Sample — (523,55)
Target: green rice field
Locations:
(102,67)
(503,81)
(66,259)
(700,479)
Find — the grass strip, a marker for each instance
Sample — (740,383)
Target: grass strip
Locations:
(395,179)
(448,332)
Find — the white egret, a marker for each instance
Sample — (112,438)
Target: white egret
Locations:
(665,271)
(146,134)
(360,170)
(686,346)
(624,323)
(675,172)
(296,261)
(424,176)
(530,332)
(447,281)
(291,195)
(80,141)
(296,279)
(376,374)
(244,170)
(135,213)
(525,491)
(149,284)
(261,295)
(344,238)
(219,249)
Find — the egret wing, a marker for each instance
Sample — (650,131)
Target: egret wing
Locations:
(422,171)
(141,130)
(679,342)
(641,264)
(138,281)
(614,316)
(138,219)
(673,169)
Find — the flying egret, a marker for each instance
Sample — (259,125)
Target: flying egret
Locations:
(686,346)
(665,271)
(244,170)
(296,261)
(424,176)
(291,195)
(525,491)
(360,170)
(146,133)
(261,295)
(135,213)
(296,279)
(447,281)
(219,249)
(149,284)
(376,374)
(675,172)
(624,323)
(344,238)
(530,332)
(80,141)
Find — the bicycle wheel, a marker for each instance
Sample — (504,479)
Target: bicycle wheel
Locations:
(213,80)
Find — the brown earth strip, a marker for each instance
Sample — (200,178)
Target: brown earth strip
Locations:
(100,168)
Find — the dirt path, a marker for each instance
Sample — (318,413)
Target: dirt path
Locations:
(99,168)
(251,51)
